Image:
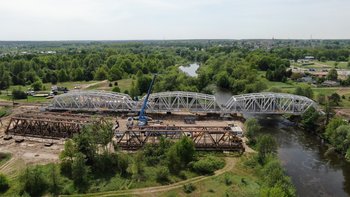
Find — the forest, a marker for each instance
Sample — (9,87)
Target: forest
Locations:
(232,65)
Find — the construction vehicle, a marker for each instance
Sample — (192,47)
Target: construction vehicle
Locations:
(143,120)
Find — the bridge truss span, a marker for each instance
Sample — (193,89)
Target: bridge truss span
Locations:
(92,101)
(178,101)
(269,103)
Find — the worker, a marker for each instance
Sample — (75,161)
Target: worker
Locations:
(116,126)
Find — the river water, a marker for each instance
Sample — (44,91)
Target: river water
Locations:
(190,69)
(302,156)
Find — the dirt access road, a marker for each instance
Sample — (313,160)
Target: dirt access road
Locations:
(230,163)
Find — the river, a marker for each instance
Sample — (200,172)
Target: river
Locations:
(302,156)
(190,69)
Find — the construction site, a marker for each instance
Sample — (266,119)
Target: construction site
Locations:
(36,133)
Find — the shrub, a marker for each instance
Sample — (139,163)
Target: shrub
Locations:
(182,175)
(116,83)
(116,89)
(228,180)
(33,181)
(162,175)
(4,185)
(110,84)
(189,188)
(38,85)
(208,165)
(18,94)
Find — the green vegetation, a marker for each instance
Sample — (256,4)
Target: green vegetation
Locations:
(310,119)
(4,183)
(252,129)
(250,176)
(337,133)
(90,163)
(4,111)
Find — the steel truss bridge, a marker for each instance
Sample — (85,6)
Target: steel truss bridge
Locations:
(178,101)
(203,137)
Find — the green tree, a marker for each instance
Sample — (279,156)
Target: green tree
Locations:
(80,172)
(341,139)
(33,181)
(38,85)
(62,76)
(67,157)
(347,155)
(115,73)
(55,183)
(332,74)
(331,127)
(137,166)
(309,118)
(78,74)
(266,146)
(334,99)
(18,94)
(116,89)
(162,174)
(304,91)
(101,73)
(222,80)
(321,98)
(180,154)
(252,128)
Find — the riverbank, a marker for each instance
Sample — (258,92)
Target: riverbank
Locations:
(303,157)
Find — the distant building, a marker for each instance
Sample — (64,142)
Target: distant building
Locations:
(306,79)
(329,83)
(309,58)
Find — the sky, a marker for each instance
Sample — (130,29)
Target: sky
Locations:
(173,19)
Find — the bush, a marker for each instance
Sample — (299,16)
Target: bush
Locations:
(33,181)
(4,185)
(228,180)
(189,188)
(38,85)
(18,94)
(162,174)
(116,83)
(208,165)
(183,175)
(116,89)
(110,84)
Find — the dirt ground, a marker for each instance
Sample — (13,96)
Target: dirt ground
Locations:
(33,150)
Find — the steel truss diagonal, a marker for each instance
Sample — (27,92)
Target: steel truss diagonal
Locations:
(178,101)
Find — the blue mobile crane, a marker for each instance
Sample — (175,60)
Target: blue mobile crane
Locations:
(142,118)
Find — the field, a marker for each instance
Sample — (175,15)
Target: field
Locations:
(325,65)
(123,84)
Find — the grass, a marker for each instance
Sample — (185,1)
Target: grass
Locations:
(325,65)
(219,186)
(30,99)
(4,157)
(125,84)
